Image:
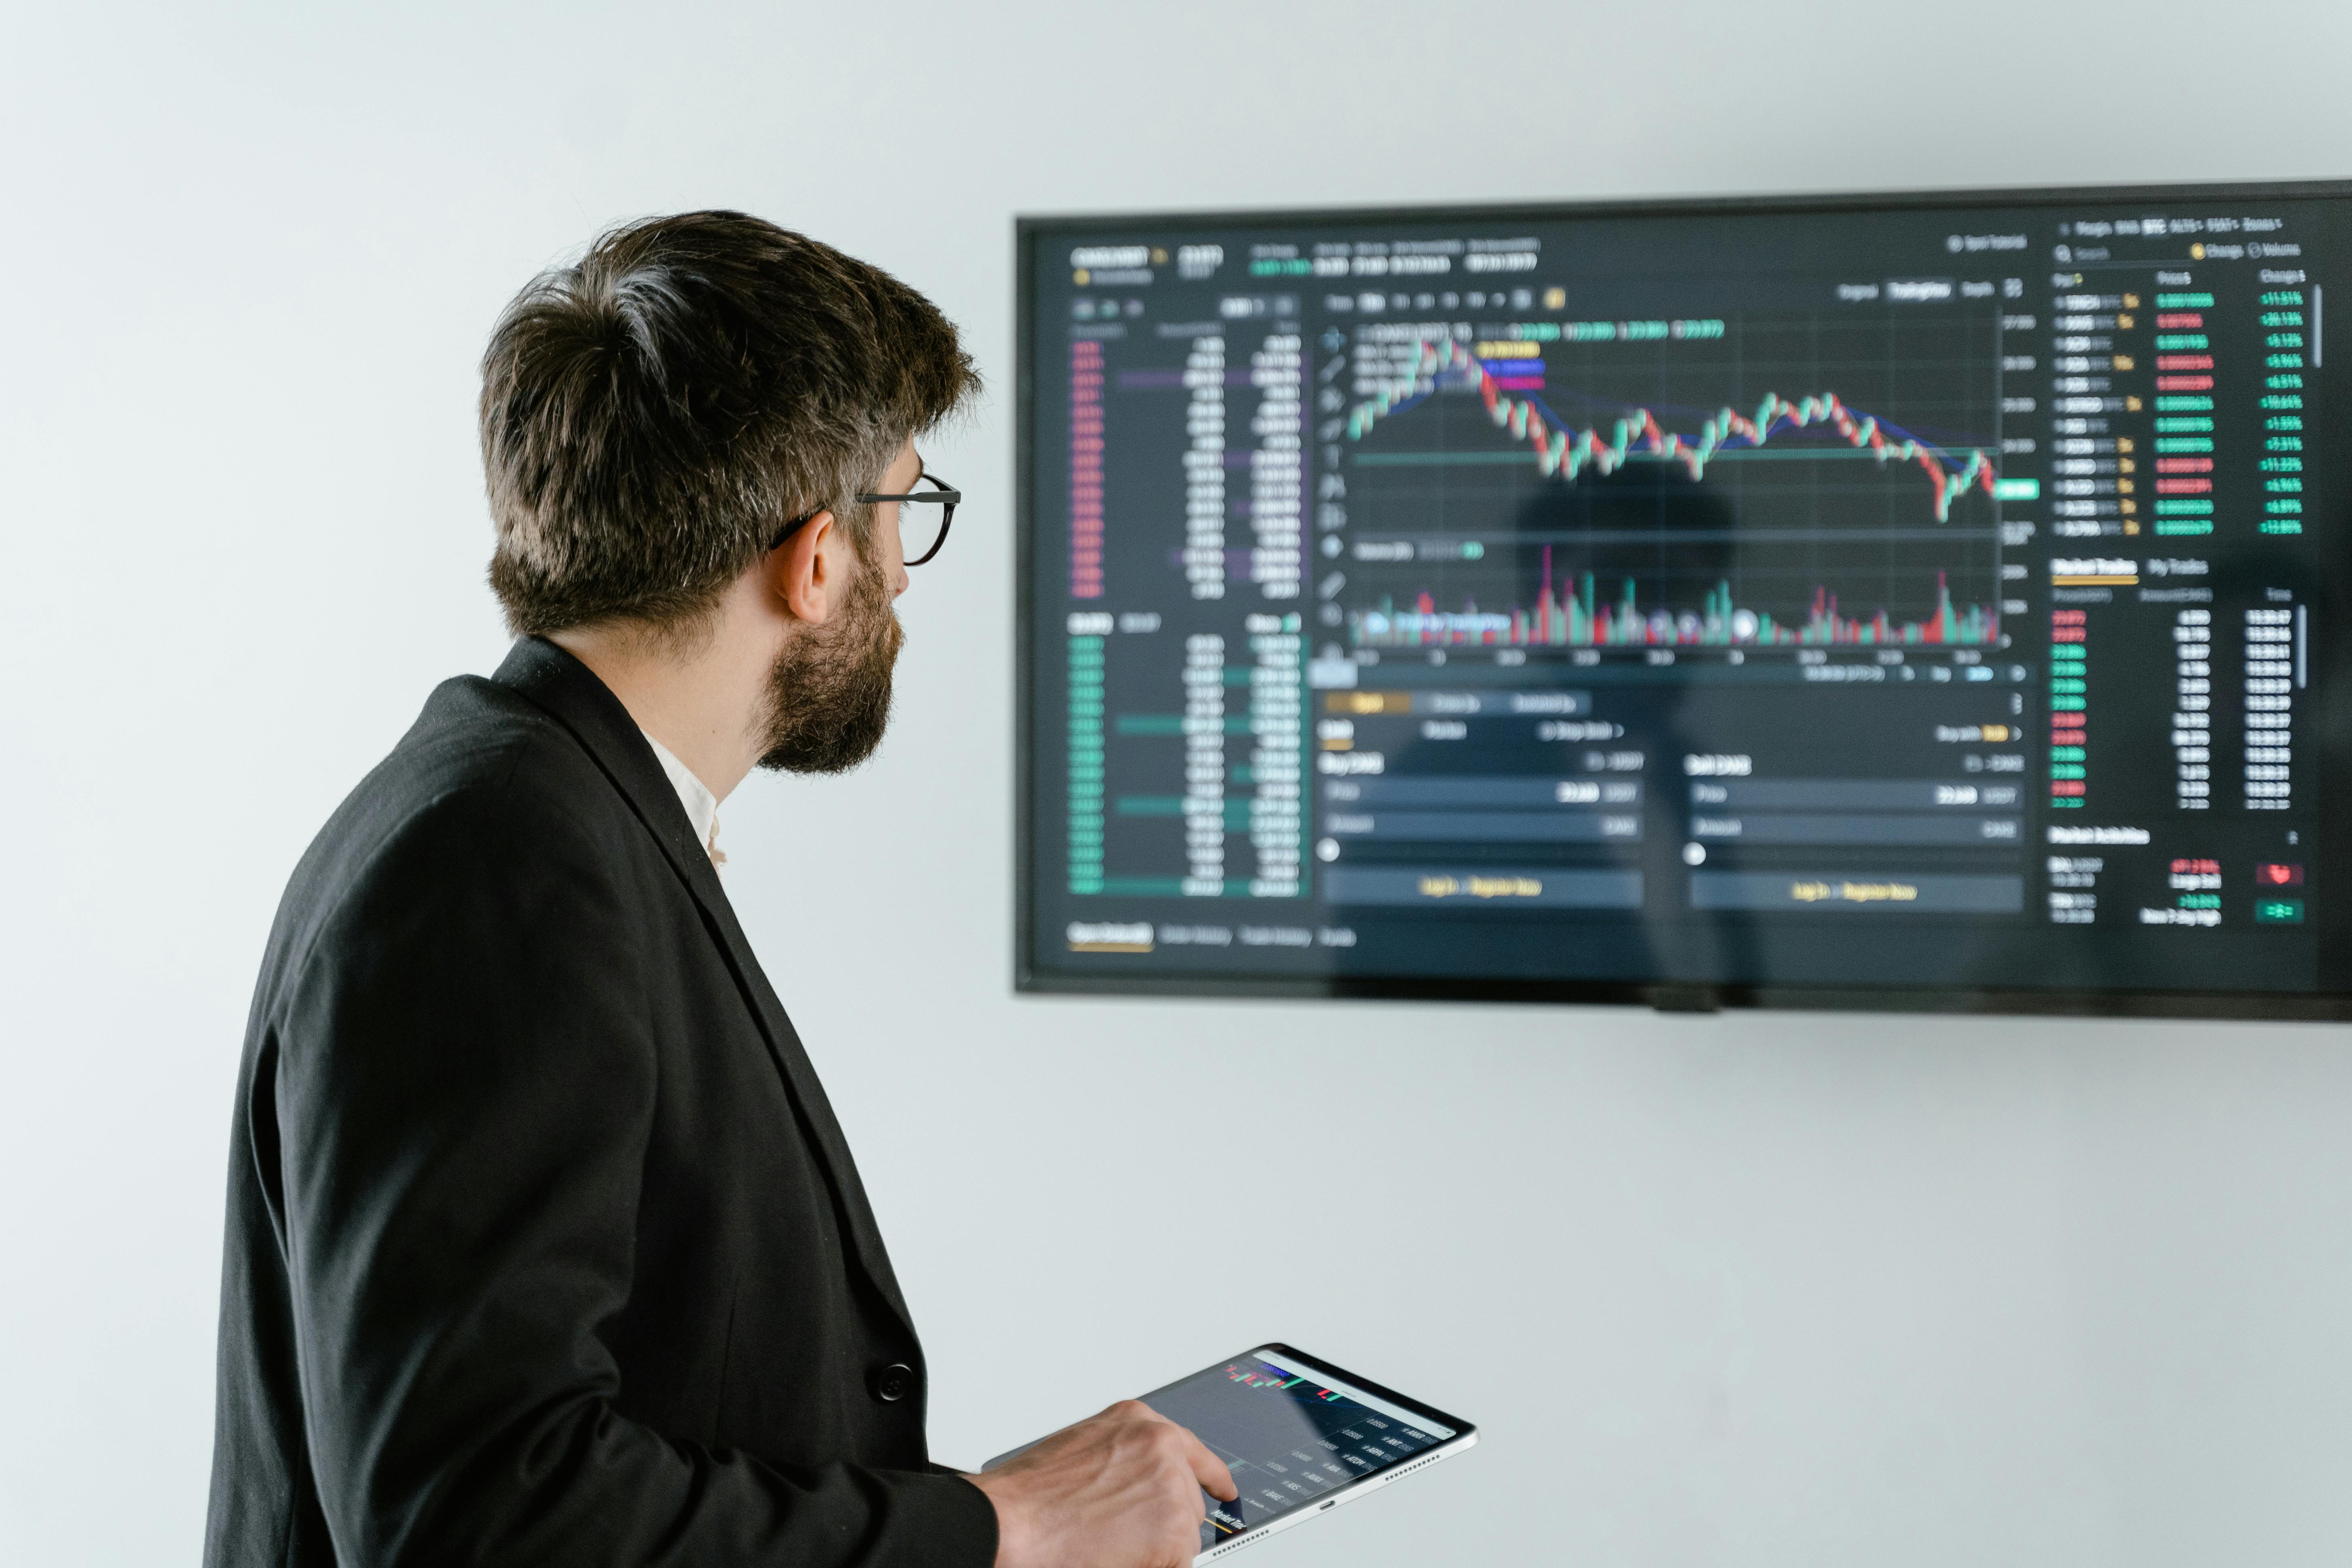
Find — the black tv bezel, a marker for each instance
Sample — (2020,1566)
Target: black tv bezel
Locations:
(2318,1006)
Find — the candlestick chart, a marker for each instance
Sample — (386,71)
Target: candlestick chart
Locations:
(1685,483)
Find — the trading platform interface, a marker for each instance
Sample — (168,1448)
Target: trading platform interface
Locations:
(1289,1441)
(1929,597)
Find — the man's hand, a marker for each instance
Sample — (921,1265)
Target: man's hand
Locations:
(1121,1490)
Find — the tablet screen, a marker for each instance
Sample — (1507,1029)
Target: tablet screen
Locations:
(1291,1439)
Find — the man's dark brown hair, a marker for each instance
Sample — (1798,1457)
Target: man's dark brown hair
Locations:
(654,412)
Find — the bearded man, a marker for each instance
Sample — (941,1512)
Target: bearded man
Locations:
(543,1244)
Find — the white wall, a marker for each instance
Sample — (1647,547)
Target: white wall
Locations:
(1743,1290)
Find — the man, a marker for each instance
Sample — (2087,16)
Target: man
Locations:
(543,1245)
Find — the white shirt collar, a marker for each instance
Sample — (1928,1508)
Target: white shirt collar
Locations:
(701,805)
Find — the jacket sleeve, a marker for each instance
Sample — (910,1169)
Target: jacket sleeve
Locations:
(464,1095)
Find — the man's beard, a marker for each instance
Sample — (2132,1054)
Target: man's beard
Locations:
(829,695)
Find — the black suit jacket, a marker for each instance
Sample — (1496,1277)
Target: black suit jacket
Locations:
(543,1245)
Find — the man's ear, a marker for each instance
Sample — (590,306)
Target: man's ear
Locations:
(805,574)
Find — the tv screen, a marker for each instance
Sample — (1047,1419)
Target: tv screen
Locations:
(1921,601)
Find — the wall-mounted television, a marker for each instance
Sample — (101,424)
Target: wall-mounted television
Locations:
(1908,600)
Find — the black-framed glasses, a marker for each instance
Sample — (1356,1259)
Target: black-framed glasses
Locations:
(921,531)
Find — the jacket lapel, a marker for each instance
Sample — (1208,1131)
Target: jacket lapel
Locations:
(568,690)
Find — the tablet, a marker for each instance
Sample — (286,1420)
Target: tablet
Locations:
(1301,1436)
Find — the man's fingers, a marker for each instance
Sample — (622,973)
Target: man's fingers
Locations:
(1206,1467)
(1209,1469)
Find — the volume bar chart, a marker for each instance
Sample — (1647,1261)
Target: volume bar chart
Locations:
(1574,617)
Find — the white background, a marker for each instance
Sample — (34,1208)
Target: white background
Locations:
(1741,1290)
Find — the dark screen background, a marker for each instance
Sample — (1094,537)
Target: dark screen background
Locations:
(1926,597)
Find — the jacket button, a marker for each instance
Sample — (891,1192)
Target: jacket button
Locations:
(891,1383)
